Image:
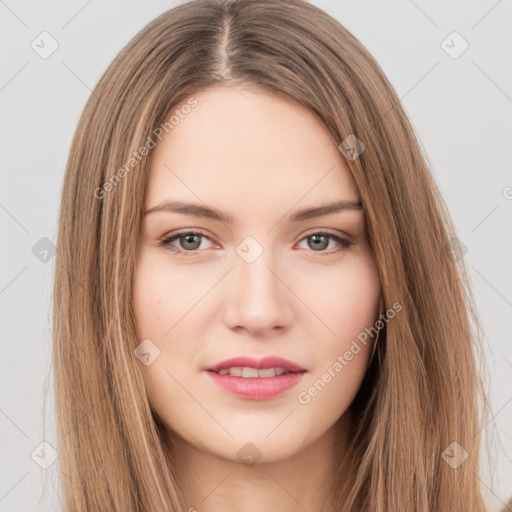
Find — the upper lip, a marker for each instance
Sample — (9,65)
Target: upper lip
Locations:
(266,362)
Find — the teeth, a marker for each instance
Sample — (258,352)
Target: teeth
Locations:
(252,373)
(249,372)
(266,372)
(236,372)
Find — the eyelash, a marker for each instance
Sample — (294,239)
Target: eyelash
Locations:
(166,243)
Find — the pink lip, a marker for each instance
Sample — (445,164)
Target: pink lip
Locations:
(256,388)
(262,388)
(266,362)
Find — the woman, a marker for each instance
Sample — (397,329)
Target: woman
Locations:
(313,349)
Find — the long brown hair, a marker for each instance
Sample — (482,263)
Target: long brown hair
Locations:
(424,390)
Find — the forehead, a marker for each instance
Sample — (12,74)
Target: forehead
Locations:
(251,146)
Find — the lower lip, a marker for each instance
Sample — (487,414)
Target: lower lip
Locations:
(260,388)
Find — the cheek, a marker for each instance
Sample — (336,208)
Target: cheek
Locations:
(348,305)
(357,301)
(345,299)
(149,303)
(159,311)
(165,304)
(156,297)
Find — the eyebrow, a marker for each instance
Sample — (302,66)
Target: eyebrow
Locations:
(202,211)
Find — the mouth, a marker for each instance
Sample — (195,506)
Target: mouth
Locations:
(247,372)
(249,367)
(255,379)
(255,383)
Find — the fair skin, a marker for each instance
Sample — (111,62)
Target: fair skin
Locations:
(305,298)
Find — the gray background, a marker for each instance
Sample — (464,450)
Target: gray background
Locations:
(460,107)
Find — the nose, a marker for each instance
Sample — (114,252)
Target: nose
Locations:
(259,299)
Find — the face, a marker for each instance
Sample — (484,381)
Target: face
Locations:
(254,280)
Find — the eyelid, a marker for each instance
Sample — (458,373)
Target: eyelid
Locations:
(165,240)
(327,231)
(343,241)
(309,232)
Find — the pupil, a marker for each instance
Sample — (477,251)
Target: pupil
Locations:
(324,244)
(187,237)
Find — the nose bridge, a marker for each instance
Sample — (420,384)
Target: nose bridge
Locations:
(256,265)
(260,299)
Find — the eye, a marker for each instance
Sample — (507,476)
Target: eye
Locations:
(190,242)
(319,241)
